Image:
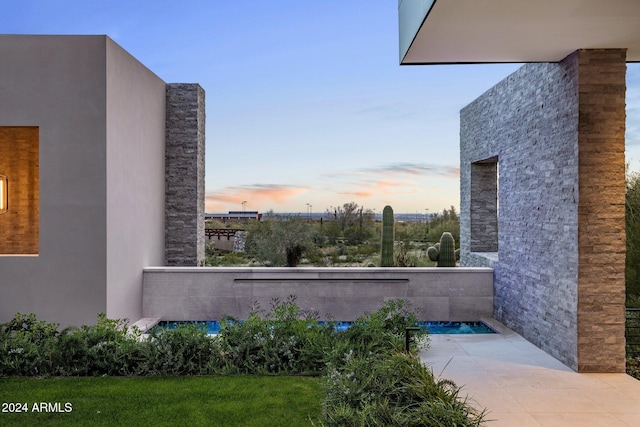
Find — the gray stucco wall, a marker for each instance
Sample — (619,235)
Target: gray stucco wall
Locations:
(135,179)
(58,83)
(534,123)
(100,115)
(184,293)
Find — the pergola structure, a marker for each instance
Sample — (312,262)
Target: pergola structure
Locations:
(542,165)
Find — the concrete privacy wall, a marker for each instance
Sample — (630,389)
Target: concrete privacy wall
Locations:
(555,133)
(185,164)
(182,293)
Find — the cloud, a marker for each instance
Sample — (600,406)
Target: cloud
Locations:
(415,169)
(406,168)
(378,188)
(389,179)
(254,195)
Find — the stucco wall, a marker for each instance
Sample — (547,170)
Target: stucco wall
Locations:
(57,83)
(533,124)
(19,163)
(100,117)
(183,293)
(135,179)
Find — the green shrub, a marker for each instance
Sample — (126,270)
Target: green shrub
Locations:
(25,346)
(105,348)
(283,341)
(403,257)
(185,350)
(393,391)
(226,259)
(633,366)
(280,242)
(287,341)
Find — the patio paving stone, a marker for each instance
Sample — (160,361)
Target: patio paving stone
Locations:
(522,386)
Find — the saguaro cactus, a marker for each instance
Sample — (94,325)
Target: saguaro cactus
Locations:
(444,253)
(386,258)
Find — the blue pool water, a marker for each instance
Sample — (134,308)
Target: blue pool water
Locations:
(213,327)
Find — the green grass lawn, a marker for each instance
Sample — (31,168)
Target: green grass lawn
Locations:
(192,401)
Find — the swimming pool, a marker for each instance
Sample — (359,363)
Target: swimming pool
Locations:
(213,327)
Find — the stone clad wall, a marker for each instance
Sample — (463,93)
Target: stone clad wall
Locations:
(549,127)
(185,164)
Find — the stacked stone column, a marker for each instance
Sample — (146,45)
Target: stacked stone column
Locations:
(184,164)
(601,210)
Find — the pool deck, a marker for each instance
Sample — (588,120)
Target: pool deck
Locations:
(522,386)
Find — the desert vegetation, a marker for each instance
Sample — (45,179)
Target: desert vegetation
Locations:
(348,235)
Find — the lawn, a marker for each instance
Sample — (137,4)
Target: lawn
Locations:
(211,401)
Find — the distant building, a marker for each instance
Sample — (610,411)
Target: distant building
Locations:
(234,216)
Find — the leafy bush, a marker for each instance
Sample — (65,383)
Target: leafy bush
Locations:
(185,350)
(285,340)
(25,346)
(106,348)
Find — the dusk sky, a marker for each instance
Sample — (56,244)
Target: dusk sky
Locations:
(305,101)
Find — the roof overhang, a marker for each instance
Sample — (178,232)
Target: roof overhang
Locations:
(500,31)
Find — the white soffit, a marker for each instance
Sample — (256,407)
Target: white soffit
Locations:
(486,31)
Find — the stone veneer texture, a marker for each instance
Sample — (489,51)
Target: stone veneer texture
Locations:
(185,164)
(601,211)
(557,130)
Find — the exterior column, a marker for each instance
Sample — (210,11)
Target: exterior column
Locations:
(184,182)
(601,210)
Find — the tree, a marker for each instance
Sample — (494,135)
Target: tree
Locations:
(280,241)
(352,222)
(632,219)
(447,221)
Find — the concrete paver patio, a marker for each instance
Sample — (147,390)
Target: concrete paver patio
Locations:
(522,386)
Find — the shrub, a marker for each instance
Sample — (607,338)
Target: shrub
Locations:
(370,380)
(279,242)
(226,259)
(185,350)
(283,341)
(393,391)
(633,366)
(25,346)
(106,348)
